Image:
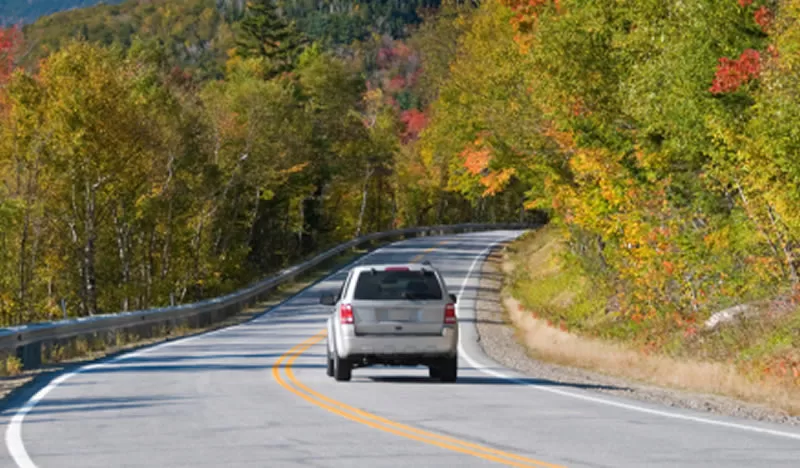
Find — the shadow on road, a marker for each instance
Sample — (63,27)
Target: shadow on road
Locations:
(470,380)
(486,321)
(318,321)
(191,367)
(53,406)
(176,359)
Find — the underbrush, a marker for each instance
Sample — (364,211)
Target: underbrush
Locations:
(755,357)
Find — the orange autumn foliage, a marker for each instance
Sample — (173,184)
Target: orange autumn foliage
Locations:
(476,160)
(10,40)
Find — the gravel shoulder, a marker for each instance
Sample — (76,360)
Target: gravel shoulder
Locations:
(503,342)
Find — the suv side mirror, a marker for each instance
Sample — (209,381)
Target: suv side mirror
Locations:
(453,298)
(327,299)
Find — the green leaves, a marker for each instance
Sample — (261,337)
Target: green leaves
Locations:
(678,197)
(265,34)
(483,106)
(130,181)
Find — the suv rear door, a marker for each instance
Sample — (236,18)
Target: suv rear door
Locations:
(398,301)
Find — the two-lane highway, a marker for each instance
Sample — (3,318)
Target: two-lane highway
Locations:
(256,395)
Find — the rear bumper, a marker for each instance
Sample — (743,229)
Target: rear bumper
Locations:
(350,345)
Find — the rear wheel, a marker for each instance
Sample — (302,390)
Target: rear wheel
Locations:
(342,368)
(449,369)
(329,359)
(434,372)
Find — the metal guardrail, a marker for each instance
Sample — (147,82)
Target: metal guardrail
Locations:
(26,340)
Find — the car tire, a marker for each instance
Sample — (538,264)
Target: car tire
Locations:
(329,360)
(449,369)
(342,368)
(434,372)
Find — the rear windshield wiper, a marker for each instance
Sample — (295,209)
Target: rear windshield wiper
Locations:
(419,297)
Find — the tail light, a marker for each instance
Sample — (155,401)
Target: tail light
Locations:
(346,313)
(450,314)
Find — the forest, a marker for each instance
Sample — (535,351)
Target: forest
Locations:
(181,150)
(662,137)
(198,34)
(150,160)
(27,11)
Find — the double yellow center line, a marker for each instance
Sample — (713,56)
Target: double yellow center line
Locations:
(427,251)
(287,360)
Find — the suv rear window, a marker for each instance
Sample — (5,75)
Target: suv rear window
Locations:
(397,285)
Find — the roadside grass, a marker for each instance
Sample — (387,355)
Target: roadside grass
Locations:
(562,317)
(85,349)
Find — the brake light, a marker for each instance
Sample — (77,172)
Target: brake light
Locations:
(396,269)
(450,314)
(346,313)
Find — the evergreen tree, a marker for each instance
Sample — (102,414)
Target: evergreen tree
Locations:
(231,10)
(265,33)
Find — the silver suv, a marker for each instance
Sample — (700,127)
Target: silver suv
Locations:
(393,315)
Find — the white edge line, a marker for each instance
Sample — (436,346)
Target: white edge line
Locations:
(13,437)
(19,454)
(472,362)
(16,447)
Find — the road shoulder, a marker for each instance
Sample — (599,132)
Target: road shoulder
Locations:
(502,340)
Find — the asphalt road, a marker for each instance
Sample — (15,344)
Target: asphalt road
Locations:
(256,395)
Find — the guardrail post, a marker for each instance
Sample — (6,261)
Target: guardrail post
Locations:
(30,355)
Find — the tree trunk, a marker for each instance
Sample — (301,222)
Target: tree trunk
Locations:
(301,209)
(151,246)
(393,218)
(23,253)
(123,243)
(254,218)
(167,252)
(76,245)
(364,193)
(198,246)
(29,240)
(379,193)
(442,198)
(35,252)
(89,249)
(754,218)
(786,244)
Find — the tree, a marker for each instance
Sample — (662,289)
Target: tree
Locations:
(101,141)
(483,121)
(10,39)
(232,10)
(161,186)
(266,34)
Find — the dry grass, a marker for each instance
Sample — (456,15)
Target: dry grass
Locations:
(560,346)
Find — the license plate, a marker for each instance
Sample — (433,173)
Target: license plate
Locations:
(396,315)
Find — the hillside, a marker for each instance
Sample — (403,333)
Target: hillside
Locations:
(27,11)
(192,34)
(197,34)
(189,186)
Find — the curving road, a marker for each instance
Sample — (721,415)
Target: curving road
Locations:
(256,395)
